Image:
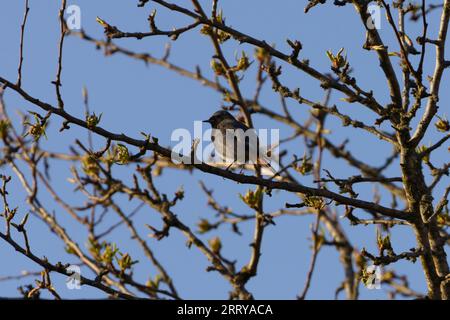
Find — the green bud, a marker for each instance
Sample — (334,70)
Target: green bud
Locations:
(367,277)
(90,166)
(206,29)
(92,120)
(218,67)
(37,129)
(69,250)
(222,36)
(204,226)
(121,154)
(383,243)
(252,198)
(442,124)
(125,262)
(338,61)
(305,167)
(215,244)
(109,253)
(261,54)
(422,149)
(4,125)
(314,202)
(243,63)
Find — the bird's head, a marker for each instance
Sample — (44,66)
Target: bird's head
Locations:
(218,117)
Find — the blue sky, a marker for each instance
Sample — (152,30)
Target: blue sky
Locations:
(134,98)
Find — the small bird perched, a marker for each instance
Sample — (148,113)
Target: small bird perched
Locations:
(235,142)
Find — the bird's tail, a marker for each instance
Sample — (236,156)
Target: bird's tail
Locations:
(268,168)
(269,165)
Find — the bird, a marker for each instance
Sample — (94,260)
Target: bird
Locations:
(236,143)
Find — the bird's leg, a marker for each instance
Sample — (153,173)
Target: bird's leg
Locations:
(230,165)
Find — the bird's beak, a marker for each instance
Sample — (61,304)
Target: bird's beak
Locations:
(207,121)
